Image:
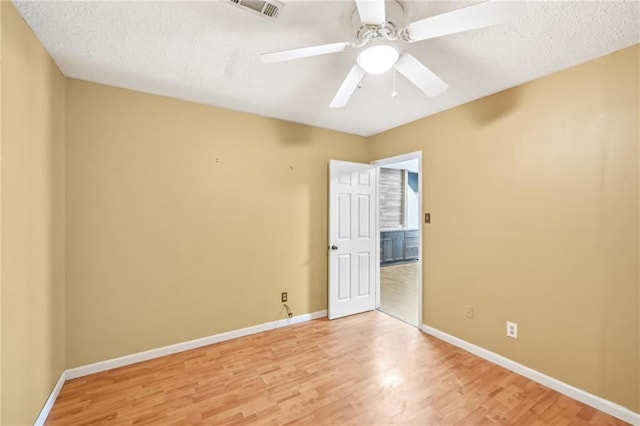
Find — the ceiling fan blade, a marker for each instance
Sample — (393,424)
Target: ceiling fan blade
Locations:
(468,18)
(420,75)
(371,11)
(305,52)
(348,86)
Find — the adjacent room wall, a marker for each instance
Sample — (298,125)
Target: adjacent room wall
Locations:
(33,222)
(534,200)
(391,198)
(186,220)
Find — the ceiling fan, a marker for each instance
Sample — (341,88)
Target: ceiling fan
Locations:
(379,56)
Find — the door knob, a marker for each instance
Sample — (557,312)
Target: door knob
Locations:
(334,247)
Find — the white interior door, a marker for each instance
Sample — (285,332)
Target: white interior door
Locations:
(352,238)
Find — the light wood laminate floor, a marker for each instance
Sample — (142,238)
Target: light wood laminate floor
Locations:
(399,291)
(367,369)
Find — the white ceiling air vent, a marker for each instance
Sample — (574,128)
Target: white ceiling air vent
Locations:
(269,8)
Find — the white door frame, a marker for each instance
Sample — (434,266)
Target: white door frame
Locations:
(416,155)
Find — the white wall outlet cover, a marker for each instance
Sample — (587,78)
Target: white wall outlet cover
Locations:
(512,329)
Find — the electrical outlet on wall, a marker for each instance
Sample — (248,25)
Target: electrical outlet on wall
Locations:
(512,329)
(468,311)
(284,297)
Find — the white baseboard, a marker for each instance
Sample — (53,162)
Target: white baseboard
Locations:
(564,388)
(97,367)
(44,413)
(122,361)
(585,397)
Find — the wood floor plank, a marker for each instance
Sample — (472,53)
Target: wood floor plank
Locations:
(367,369)
(399,291)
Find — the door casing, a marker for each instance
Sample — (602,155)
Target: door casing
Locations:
(416,155)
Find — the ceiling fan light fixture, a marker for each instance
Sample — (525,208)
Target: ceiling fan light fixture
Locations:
(377,59)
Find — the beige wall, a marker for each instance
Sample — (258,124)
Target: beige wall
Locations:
(534,200)
(186,220)
(33,232)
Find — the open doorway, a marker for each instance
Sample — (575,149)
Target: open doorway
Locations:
(400,232)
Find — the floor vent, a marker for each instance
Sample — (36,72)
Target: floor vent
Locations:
(269,9)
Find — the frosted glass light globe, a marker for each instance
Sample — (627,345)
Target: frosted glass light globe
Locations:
(377,59)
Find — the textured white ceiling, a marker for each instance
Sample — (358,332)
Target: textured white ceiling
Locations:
(208,52)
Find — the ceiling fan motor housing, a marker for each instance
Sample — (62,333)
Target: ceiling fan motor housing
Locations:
(368,33)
